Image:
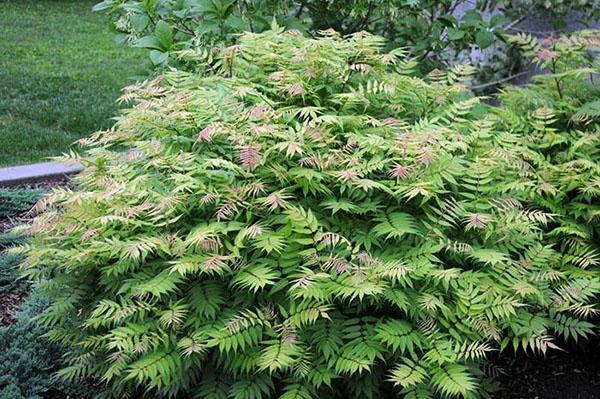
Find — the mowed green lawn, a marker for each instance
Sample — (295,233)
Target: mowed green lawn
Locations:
(60,74)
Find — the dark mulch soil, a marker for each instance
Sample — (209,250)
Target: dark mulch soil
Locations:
(572,374)
(9,306)
(46,185)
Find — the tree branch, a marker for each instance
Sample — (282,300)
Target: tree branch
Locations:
(496,82)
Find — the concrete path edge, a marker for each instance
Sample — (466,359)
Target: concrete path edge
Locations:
(25,174)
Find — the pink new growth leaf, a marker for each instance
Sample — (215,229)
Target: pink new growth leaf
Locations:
(399,172)
(250,156)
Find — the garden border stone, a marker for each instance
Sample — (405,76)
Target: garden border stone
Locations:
(17,175)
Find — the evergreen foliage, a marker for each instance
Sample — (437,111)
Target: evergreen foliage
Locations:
(15,201)
(306,218)
(12,203)
(9,273)
(28,360)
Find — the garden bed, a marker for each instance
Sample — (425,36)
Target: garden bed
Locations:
(15,210)
(8,221)
(28,360)
(570,374)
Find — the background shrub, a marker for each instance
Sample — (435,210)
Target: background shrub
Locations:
(437,33)
(307,218)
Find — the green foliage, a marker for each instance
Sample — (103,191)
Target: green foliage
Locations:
(435,32)
(557,9)
(28,360)
(9,273)
(12,203)
(306,218)
(557,115)
(16,201)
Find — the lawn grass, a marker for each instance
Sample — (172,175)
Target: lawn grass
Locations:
(60,74)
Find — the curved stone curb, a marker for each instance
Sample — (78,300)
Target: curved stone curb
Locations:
(16,175)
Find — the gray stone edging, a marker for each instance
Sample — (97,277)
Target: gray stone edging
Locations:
(16,175)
